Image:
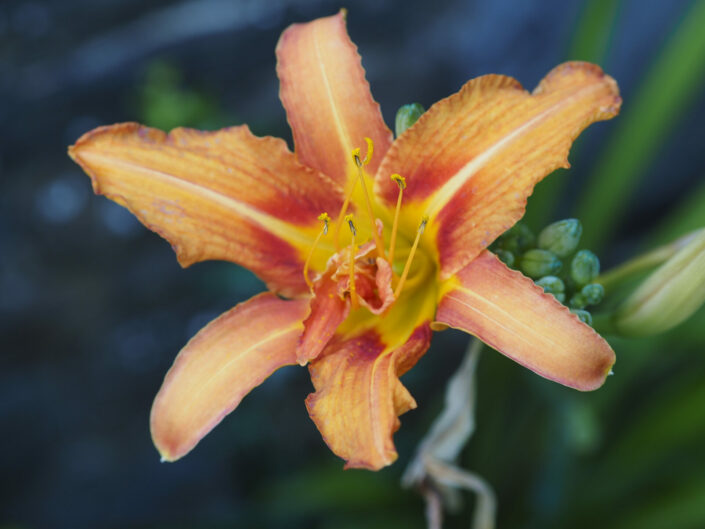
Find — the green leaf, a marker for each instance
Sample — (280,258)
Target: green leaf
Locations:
(592,35)
(681,508)
(688,216)
(666,93)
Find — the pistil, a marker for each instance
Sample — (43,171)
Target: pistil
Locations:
(407,266)
(326,219)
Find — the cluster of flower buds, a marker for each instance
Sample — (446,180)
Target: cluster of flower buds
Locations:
(552,262)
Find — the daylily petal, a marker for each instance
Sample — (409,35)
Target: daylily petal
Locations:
(472,160)
(359,396)
(219,366)
(327,98)
(509,312)
(328,311)
(215,195)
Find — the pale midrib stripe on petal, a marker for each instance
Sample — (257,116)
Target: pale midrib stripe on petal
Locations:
(459,179)
(527,328)
(342,131)
(238,357)
(276,226)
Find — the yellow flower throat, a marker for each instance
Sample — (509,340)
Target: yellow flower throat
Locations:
(377,235)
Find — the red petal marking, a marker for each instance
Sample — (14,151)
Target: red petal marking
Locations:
(328,310)
(379,295)
(219,366)
(330,304)
(509,312)
(359,396)
(214,195)
(472,160)
(327,98)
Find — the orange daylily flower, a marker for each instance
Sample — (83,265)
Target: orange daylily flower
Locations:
(316,226)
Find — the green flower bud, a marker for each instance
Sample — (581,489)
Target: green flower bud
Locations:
(669,295)
(505,256)
(593,293)
(552,285)
(584,315)
(585,267)
(561,237)
(539,263)
(407,116)
(578,301)
(517,239)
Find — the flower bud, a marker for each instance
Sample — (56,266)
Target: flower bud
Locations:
(539,263)
(669,295)
(585,267)
(578,301)
(552,285)
(407,116)
(584,315)
(505,256)
(593,293)
(517,239)
(561,237)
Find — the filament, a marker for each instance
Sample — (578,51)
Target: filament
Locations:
(401,182)
(407,266)
(353,232)
(359,163)
(326,219)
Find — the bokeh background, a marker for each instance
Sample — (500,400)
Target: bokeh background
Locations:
(93,307)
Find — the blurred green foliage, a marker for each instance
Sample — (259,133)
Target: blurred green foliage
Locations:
(166,102)
(666,92)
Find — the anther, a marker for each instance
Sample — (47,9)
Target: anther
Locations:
(407,266)
(325,219)
(353,231)
(401,182)
(349,220)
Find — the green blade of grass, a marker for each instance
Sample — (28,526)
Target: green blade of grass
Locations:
(688,216)
(592,34)
(666,93)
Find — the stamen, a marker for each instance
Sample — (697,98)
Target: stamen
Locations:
(326,219)
(360,163)
(407,266)
(401,182)
(353,231)
(341,215)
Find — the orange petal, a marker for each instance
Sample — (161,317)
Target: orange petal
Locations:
(359,396)
(472,160)
(328,310)
(327,98)
(214,195)
(219,366)
(507,311)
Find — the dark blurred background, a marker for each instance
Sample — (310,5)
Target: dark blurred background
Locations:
(94,307)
